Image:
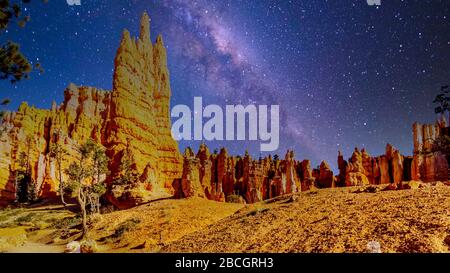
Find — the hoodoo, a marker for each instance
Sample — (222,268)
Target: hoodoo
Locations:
(132,119)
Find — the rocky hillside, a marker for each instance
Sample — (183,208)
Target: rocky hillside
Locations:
(353,219)
(333,220)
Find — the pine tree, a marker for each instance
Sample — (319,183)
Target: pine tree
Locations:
(58,152)
(442,142)
(25,187)
(127,174)
(85,179)
(99,168)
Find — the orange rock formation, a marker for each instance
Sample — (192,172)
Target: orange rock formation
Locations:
(220,176)
(133,116)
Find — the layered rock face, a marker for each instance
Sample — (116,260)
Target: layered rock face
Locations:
(363,169)
(29,132)
(325,177)
(139,116)
(428,166)
(393,167)
(133,116)
(221,177)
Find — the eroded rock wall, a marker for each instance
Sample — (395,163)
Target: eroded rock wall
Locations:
(134,116)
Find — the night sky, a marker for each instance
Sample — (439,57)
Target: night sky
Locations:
(344,73)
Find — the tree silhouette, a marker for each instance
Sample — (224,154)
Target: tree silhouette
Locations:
(58,152)
(99,169)
(14,66)
(443,101)
(442,142)
(24,184)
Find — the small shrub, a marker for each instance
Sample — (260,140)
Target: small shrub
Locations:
(68,222)
(95,218)
(3,217)
(234,198)
(128,225)
(51,220)
(14,212)
(26,218)
(257,211)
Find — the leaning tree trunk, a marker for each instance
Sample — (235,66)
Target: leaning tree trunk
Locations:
(82,201)
(61,192)
(61,185)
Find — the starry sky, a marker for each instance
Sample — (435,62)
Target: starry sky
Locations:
(344,73)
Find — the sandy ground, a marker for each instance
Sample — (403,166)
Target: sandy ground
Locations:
(333,220)
(30,230)
(330,220)
(146,228)
(150,227)
(33,247)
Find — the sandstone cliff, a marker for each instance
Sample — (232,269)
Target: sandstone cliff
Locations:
(139,116)
(30,131)
(428,166)
(133,116)
(219,176)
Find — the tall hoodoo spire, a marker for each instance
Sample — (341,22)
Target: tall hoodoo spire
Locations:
(144,34)
(139,113)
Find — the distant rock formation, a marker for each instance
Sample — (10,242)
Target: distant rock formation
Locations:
(30,131)
(355,174)
(393,167)
(305,175)
(363,169)
(221,175)
(325,178)
(428,166)
(189,185)
(134,116)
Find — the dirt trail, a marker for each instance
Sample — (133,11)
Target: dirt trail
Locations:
(36,247)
